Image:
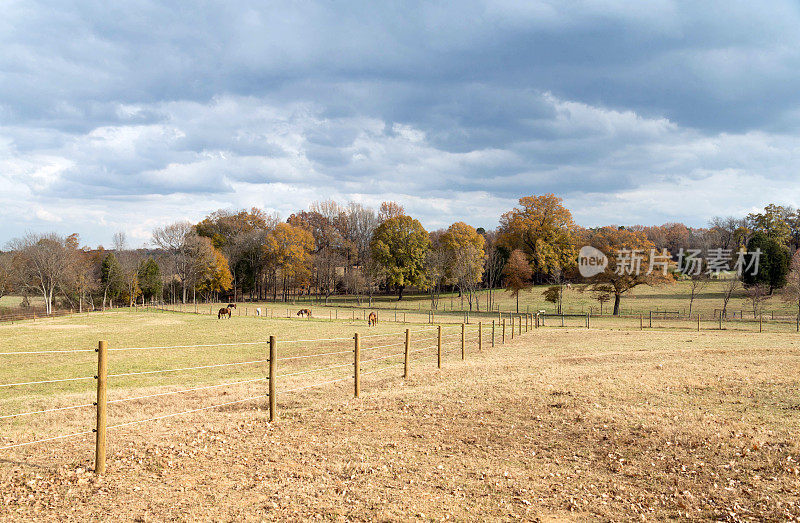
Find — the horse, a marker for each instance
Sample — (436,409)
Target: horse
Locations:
(224,311)
(304,313)
(231,305)
(258,311)
(373,319)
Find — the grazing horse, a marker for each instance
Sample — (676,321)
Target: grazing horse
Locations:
(225,311)
(373,319)
(231,305)
(304,313)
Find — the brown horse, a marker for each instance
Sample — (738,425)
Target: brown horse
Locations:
(304,313)
(225,311)
(372,320)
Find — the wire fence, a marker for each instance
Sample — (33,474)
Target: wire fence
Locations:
(284,367)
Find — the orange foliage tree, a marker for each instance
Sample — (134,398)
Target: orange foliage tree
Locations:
(543,229)
(288,249)
(629,262)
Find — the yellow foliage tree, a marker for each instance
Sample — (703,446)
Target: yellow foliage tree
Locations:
(466,257)
(543,229)
(218,275)
(288,250)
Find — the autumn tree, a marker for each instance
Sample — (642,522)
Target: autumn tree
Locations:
(217,277)
(288,249)
(465,250)
(629,262)
(399,246)
(543,229)
(517,274)
(240,236)
(772,222)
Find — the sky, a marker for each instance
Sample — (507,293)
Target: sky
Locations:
(125,116)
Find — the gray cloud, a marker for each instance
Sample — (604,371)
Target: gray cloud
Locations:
(111,112)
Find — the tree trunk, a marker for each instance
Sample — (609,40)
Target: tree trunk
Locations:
(616,304)
(400,292)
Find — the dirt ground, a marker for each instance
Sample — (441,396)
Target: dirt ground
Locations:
(556,425)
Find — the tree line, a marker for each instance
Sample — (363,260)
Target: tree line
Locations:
(332,249)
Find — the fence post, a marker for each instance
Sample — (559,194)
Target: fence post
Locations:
(462,341)
(273,362)
(357,367)
(526,322)
(480,336)
(405,357)
(651,320)
(698,322)
(439,347)
(504,332)
(520,325)
(720,320)
(759,322)
(492,333)
(641,322)
(512,327)
(587,319)
(100,430)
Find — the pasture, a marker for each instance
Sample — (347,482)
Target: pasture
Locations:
(606,422)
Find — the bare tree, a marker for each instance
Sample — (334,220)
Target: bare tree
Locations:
(390,210)
(174,240)
(129,261)
(494,265)
(758,294)
(697,282)
(6,274)
(791,292)
(731,286)
(361,223)
(42,261)
(467,270)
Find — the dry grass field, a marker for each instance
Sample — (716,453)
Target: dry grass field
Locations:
(568,423)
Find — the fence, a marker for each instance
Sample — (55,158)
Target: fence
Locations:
(653,321)
(362,354)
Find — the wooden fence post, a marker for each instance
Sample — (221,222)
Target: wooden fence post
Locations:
(698,322)
(439,347)
(406,370)
(641,322)
(759,322)
(492,333)
(480,336)
(520,325)
(651,320)
(526,322)
(273,362)
(504,332)
(587,319)
(462,341)
(100,430)
(357,366)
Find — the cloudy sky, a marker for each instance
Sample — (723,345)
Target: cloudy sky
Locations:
(127,115)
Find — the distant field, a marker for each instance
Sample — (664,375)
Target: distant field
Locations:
(569,423)
(671,297)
